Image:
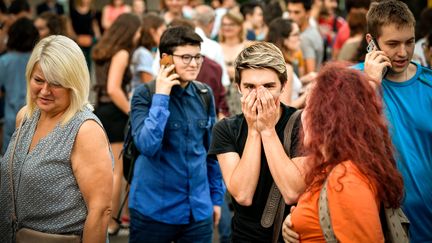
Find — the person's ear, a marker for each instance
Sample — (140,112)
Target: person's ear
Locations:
(368,38)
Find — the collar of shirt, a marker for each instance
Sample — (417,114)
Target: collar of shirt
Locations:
(178,91)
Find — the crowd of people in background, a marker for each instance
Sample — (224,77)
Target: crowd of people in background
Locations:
(120,43)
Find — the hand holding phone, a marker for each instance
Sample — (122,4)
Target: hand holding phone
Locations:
(373,46)
(165,79)
(167,61)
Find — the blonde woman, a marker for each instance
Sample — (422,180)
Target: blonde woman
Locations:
(58,159)
(232,41)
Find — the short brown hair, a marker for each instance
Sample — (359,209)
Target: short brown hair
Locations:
(388,12)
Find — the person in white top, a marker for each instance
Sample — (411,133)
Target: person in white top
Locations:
(204,17)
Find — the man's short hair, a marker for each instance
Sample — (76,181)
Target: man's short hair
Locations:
(307,4)
(261,55)
(178,36)
(388,12)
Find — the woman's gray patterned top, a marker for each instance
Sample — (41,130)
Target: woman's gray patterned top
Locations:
(47,195)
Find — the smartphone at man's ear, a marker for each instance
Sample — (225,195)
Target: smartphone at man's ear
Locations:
(373,45)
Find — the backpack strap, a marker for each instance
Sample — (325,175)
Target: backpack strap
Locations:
(151,87)
(275,206)
(324,215)
(394,223)
(204,93)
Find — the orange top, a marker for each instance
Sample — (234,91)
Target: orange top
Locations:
(354,209)
(297,60)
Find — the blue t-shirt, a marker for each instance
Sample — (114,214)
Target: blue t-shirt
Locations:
(174,179)
(142,61)
(408,107)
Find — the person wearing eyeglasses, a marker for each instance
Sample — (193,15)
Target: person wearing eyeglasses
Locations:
(176,191)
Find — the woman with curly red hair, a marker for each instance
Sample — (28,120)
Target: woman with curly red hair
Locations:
(347,143)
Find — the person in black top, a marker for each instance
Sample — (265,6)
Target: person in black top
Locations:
(50,6)
(248,146)
(85,26)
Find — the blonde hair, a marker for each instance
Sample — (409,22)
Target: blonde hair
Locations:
(62,63)
(261,55)
(237,18)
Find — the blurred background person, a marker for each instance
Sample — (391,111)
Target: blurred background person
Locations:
(112,11)
(357,25)
(344,31)
(203,18)
(172,9)
(425,25)
(111,56)
(189,8)
(143,57)
(427,49)
(221,8)
(232,39)
(329,23)
(252,12)
(17,9)
(312,45)
(138,7)
(285,34)
(84,26)
(61,160)
(49,23)
(22,38)
(51,6)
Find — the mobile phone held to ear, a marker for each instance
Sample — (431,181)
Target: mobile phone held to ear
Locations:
(374,46)
(167,61)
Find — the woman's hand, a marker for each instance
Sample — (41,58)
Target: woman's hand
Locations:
(166,80)
(289,235)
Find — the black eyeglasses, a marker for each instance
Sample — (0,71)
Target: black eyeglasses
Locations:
(186,58)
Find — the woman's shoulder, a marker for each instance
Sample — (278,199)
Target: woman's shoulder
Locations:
(348,173)
(20,116)
(90,130)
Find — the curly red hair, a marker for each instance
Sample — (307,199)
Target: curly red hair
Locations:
(345,121)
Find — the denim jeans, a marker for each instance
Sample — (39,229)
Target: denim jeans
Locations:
(225,222)
(143,229)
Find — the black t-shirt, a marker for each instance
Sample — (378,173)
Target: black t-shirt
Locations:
(229,135)
(82,24)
